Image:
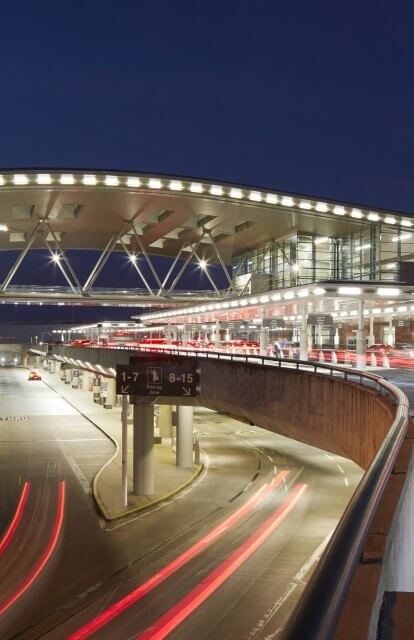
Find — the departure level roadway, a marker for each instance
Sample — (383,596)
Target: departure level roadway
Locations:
(273,536)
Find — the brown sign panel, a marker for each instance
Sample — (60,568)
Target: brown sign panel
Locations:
(320,319)
(159,375)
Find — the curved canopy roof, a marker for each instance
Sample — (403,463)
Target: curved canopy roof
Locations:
(86,209)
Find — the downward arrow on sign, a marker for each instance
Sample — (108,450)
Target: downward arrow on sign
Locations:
(186,391)
(124,390)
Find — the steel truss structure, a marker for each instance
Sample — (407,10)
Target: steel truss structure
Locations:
(192,222)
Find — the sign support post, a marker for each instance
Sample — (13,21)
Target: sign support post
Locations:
(124,451)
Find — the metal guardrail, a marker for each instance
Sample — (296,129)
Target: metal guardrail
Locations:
(318,611)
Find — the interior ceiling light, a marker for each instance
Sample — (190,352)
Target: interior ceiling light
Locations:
(350,291)
(339,210)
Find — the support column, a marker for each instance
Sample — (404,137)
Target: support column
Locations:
(124,449)
(75,379)
(371,336)
(184,444)
(336,338)
(110,393)
(303,342)
(165,421)
(217,334)
(143,462)
(391,332)
(68,375)
(361,346)
(96,389)
(264,340)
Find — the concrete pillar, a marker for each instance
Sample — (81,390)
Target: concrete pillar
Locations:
(264,339)
(52,366)
(391,332)
(319,336)
(303,336)
(37,362)
(361,346)
(110,400)
(217,334)
(184,444)
(165,421)
(336,338)
(96,389)
(143,461)
(75,379)
(371,337)
(68,375)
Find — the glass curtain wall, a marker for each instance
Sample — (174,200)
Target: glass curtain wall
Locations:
(373,253)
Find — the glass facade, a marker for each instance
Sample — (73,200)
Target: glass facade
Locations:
(374,253)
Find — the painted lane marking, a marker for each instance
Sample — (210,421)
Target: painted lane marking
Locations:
(15,521)
(296,581)
(185,607)
(47,553)
(143,589)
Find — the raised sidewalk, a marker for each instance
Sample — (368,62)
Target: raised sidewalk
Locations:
(107,488)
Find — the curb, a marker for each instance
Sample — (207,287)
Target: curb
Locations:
(96,496)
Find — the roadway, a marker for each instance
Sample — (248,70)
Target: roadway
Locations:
(279,501)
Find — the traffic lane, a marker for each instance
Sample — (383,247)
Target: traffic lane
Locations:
(212,549)
(330,495)
(32,450)
(403,378)
(234,475)
(29,557)
(120,553)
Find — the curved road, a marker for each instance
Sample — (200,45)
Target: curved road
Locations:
(278,499)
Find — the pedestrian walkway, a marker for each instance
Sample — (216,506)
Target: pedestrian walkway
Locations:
(107,488)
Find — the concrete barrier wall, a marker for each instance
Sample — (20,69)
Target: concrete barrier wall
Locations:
(319,410)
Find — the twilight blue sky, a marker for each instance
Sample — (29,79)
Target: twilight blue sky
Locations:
(313,97)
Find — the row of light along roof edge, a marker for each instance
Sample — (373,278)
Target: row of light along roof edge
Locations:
(198,187)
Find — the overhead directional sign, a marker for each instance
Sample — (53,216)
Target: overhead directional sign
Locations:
(159,376)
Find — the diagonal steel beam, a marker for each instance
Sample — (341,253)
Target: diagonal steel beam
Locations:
(62,270)
(103,258)
(171,269)
(258,265)
(65,258)
(20,258)
(184,266)
(137,269)
(210,279)
(146,256)
(223,265)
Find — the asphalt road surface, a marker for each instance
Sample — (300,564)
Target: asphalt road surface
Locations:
(227,559)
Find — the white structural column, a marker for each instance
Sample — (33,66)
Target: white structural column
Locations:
(143,464)
(303,338)
(110,393)
(68,375)
(264,340)
(371,336)
(391,332)
(184,441)
(361,345)
(336,338)
(96,388)
(165,421)
(217,334)
(124,450)
(75,379)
